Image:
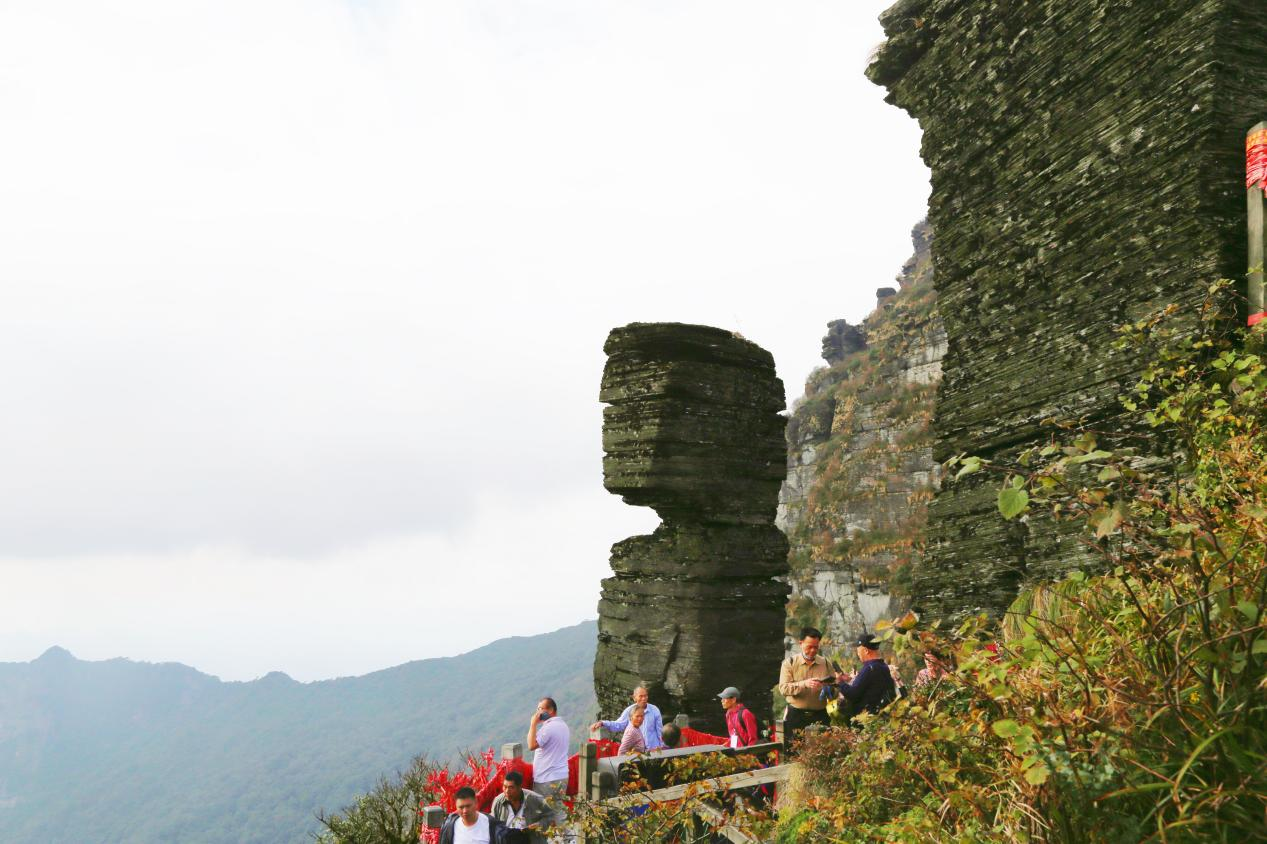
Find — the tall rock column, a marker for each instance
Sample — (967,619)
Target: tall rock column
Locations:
(694,430)
(1088,169)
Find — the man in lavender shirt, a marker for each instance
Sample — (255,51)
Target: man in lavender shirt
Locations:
(652,724)
(549,737)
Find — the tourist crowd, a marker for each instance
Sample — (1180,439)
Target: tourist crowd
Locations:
(812,685)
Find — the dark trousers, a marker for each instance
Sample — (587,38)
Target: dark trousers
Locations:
(796,720)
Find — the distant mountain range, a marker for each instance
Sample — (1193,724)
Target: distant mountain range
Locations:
(122,751)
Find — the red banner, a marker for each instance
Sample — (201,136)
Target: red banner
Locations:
(1256,159)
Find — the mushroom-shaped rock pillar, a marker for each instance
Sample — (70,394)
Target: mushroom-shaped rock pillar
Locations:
(693,429)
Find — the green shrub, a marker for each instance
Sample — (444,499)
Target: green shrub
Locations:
(386,815)
(1125,706)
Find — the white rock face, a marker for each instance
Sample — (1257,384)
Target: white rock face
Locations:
(801,470)
(858,441)
(923,366)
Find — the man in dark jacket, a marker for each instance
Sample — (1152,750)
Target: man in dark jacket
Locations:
(468,825)
(872,688)
(522,811)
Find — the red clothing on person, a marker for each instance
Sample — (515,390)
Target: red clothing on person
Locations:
(742,725)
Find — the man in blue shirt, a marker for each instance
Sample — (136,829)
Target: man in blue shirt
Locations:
(651,724)
(872,688)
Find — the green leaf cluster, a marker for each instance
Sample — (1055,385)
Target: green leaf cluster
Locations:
(1124,704)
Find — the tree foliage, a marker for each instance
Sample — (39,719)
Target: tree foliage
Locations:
(388,814)
(1125,704)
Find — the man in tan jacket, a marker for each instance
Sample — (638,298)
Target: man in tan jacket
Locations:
(801,678)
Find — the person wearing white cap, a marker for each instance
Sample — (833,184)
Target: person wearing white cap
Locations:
(740,721)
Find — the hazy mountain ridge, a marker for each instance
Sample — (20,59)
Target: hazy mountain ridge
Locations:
(122,751)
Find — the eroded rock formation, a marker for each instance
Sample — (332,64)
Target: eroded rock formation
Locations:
(842,340)
(860,464)
(693,429)
(1087,163)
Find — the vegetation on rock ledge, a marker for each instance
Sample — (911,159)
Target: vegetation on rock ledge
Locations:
(864,431)
(1126,706)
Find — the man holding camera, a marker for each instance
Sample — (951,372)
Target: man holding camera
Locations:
(549,737)
(801,679)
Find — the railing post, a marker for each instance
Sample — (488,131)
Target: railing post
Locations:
(682,720)
(589,756)
(779,734)
(1255,182)
(433,817)
(512,750)
(586,768)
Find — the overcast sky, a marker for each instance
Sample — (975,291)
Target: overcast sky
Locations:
(303,301)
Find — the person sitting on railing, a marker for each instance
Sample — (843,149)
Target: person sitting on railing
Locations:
(633,741)
(651,726)
(468,825)
(523,812)
(740,721)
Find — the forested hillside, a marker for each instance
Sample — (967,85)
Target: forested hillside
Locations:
(120,751)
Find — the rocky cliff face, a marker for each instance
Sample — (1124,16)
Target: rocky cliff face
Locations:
(694,430)
(1087,167)
(860,464)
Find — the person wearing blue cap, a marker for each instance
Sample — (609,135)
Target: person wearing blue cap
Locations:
(872,688)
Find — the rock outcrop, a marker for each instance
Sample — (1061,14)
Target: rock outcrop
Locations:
(842,340)
(694,430)
(860,465)
(1087,170)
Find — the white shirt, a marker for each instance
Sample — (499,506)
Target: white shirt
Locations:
(477,833)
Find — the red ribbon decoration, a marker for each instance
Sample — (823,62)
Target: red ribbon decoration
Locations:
(1256,176)
(1256,159)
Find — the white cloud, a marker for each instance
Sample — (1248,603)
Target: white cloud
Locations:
(239,614)
(295,277)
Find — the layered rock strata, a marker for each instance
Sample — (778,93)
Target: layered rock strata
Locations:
(693,429)
(1087,169)
(860,464)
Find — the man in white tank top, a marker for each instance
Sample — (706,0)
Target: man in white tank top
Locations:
(468,825)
